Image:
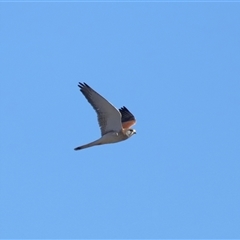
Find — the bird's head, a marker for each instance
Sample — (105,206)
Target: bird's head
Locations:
(130,132)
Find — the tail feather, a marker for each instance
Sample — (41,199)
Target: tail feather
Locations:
(95,143)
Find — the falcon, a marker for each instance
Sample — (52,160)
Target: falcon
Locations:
(115,124)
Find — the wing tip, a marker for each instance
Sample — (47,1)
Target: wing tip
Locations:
(123,108)
(82,85)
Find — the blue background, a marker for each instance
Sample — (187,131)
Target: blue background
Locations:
(176,66)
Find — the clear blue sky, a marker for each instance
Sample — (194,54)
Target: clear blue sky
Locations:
(176,66)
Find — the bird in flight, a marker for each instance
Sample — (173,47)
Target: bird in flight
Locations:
(114,123)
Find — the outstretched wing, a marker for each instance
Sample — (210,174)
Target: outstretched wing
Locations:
(109,118)
(128,119)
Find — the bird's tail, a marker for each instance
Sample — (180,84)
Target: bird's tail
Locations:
(91,144)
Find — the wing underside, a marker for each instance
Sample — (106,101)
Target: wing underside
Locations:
(109,118)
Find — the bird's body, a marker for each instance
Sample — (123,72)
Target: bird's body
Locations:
(115,124)
(111,137)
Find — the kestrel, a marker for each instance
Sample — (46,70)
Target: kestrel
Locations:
(114,123)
